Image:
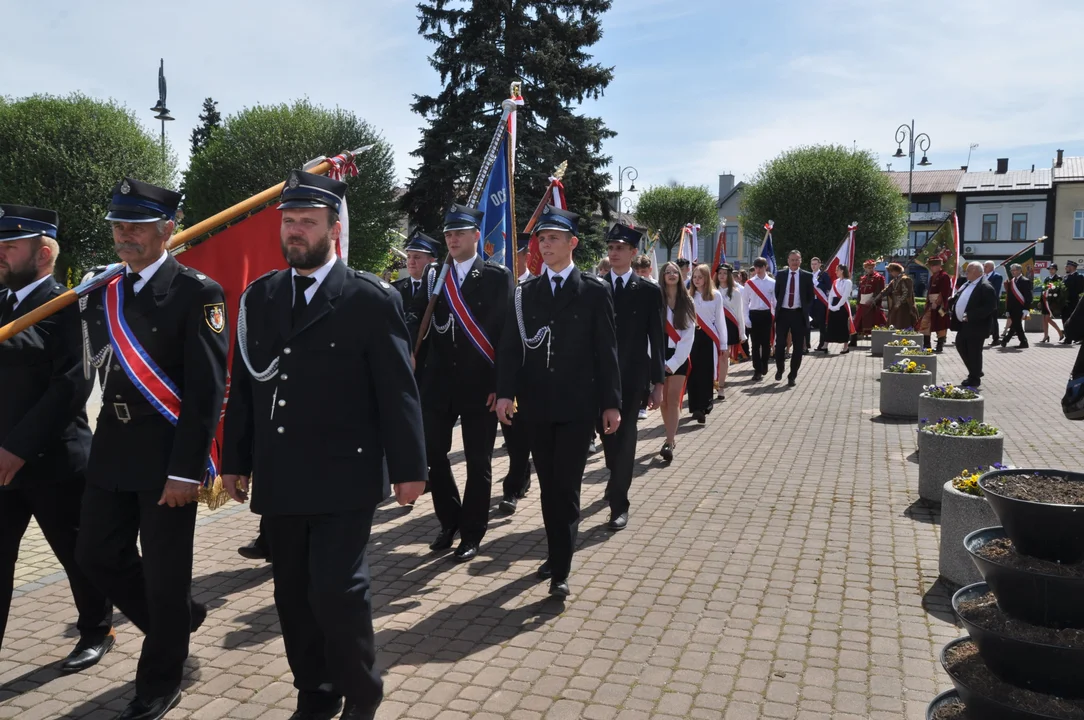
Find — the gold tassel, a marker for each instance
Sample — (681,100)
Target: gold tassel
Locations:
(214,496)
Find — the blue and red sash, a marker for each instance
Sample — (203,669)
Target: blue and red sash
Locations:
(141,369)
(465,319)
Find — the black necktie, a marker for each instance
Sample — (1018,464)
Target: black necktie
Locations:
(414,287)
(7,308)
(129,282)
(557,284)
(301,284)
(620,285)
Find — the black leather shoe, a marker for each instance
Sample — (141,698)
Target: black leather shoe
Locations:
(199,614)
(508,504)
(559,589)
(545,572)
(255,550)
(778,375)
(757,377)
(87,653)
(619,522)
(791,382)
(330,713)
(152,709)
(667,452)
(444,539)
(466,551)
(354,712)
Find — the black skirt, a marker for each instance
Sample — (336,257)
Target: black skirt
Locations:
(684,369)
(838,329)
(732,334)
(701,383)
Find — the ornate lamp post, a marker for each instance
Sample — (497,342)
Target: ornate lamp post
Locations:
(906,133)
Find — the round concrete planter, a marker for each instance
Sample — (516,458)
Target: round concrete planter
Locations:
(878,338)
(934,409)
(930,361)
(942,457)
(961,515)
(889,354)
(899,393)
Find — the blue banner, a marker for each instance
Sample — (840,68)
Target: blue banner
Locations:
(497,231)
(767,251)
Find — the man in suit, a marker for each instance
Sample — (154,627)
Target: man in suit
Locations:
(640,353)
(819,310)
(421,250)
(992,276)
(518,480)
(44,435)
(1018,304)
(159,331)
(793,300)
(458,381)
(316,321)
(970,310)
(1074,291)
(558,360)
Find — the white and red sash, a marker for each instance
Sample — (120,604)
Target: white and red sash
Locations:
(703,325)
(672,332)
(465,319)
(142,371)
(846,304)
(674,335)
(1016,293)
(765,299)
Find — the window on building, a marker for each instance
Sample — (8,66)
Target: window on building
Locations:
(989,228)
(916,239)
(1078,225)
(926,206)
(1019,227)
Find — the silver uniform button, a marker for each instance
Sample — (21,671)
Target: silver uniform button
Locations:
(285,376)
(286,351)
(332,344)
(282,403)
(359,449)
(281,430)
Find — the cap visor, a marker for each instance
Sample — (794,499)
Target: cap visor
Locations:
(129,216)
(552,226)
(460,226)
(305,203)
(17,235)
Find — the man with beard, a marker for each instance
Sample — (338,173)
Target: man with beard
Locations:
(159,335)
(44,435)
(459,379)
(323,393)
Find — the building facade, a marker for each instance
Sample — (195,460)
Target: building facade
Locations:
(1068,234)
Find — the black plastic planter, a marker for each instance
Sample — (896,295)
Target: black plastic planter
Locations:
(1048,600)
(980,706)
(949,697)
(1041,530)
(1051,669)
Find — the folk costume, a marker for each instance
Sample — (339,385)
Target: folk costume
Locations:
(936,319)
(869,314)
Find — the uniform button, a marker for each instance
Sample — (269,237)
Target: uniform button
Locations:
(116,367)
(119,396)
(285,376)
(154,329)
(332,344)
(359,450)
(553,369)
(281,430)
(286,351)
(282,403)
(97,322)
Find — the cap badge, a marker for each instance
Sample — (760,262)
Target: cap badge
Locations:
(1,212)
(125,188)
(293,182)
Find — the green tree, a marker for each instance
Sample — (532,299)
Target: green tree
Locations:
(67,154)
(814,193)
(481,47)
(667,209)
(210,119)
(257,147)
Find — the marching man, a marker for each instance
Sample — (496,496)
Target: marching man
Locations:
(869,314)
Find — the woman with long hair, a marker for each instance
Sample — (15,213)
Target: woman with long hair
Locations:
(838,329)
(709,342)
(733,318)
(680,327)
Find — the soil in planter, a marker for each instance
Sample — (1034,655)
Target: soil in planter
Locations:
(1039,488)
(964,663)
(1002,552)
(984,612)
(955,710)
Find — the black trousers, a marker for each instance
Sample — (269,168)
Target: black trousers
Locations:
(620,450)
(793,321)
(324,602)
(56,508)
(560,455)
(994,328)
(154,590)
(519,459)
(479,429)
(1016,328)
(701,378)
(969,342)
(760,339)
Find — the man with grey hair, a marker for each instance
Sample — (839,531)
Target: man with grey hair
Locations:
(970,311)
(1018,303)
(992,276)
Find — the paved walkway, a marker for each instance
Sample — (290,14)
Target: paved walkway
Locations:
(780,568)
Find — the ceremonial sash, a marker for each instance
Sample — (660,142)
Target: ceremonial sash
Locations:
(466,320)
(710,333)
(676,337)
(761,296)
(1046,303)
(1016,293)
(672,332)
(732,318)
(846,304)
(142,371)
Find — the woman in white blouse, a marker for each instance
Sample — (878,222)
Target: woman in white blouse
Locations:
(734,319)
(680,326)
(709,341)
(838,329)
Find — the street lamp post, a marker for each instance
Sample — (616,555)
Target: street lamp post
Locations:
(622,173)
(160,107)
(906,133)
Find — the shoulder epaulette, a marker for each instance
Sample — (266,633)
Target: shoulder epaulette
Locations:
(596,278)
(384,285)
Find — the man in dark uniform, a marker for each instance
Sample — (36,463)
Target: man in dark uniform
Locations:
(640,355)
(459,379)
(518,480)
(287,423)
(1018,299)
(558,360)
(44,435)
(159,332)
(421,250)
(1074,290)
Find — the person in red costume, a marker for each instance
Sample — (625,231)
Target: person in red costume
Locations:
(936,318)
(869,314)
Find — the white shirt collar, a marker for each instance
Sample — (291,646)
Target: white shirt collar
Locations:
(20,295)
(462,268)
(319,275)
(563,274)
(148,272)
(626,277)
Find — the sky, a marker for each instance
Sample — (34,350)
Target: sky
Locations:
(701,87)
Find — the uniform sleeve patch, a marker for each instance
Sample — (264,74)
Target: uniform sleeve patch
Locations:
(215,316)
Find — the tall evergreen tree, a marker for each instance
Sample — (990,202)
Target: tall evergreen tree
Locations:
(210,119)
(481,47)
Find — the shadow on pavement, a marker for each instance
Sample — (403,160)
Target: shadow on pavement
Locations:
(923,511)
(938,601)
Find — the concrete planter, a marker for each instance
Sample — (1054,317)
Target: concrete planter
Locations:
(942,457)
(900,391)
(878,338)
(1034,324)
(936,408)
(891,354)
(930,361)
(961,515)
